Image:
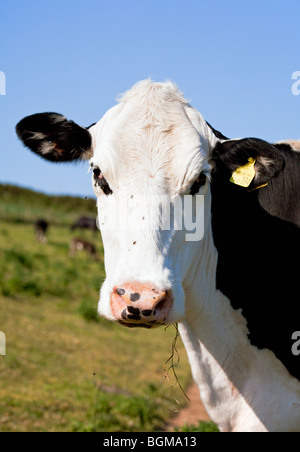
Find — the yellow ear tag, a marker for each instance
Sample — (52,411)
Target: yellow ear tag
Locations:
(244,175)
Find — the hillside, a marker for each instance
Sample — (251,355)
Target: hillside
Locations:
(23,205)
(65,369)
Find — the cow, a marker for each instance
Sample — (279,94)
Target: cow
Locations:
(41,227)
(78,244)
(232,290)
(289,145)
(85,223)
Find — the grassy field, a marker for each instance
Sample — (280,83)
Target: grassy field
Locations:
(65,369)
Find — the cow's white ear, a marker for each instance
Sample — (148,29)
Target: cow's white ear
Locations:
(54,138)
(236,153)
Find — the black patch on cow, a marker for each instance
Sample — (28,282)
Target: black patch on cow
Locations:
(257,236)
(281,198)
(199,182)
(101,181)
(133,310)
(217,133)
(134,317)
(53,137)
(146,312)
(283,146)
(134,296)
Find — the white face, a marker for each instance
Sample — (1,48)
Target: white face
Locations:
(150,151)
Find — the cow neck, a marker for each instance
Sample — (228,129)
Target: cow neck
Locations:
(223,362)
(209,322)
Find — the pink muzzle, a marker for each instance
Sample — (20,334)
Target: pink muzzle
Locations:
(140,305)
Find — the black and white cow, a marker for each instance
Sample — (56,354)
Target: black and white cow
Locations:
(41,227)
(233,288)
(78,244)
(85,223)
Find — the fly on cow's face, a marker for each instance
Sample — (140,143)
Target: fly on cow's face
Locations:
(101,181)
(199,182)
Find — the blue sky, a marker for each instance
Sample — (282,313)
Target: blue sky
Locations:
(233,60)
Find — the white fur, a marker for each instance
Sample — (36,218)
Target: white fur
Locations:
(152,145)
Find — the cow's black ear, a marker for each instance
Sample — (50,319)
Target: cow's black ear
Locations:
(54,138)
(233,154)
(217,133)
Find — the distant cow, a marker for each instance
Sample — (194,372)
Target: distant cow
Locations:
(41,228)
(85,223)
(78,244)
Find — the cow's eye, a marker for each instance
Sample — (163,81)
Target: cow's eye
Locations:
(97,173)
(199,182)
(101,181)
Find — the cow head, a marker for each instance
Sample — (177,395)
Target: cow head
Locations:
(149,157)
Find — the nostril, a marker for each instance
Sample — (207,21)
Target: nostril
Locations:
(147,312)
(161,304)
(120,291)
(133,310)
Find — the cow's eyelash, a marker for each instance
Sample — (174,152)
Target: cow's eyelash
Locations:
(199,182)
(101,181)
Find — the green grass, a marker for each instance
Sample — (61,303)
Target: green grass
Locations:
(66,369)
(20,205)
(203,427)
